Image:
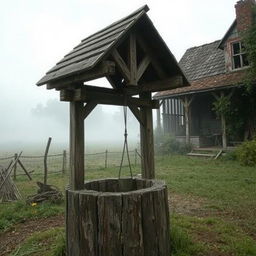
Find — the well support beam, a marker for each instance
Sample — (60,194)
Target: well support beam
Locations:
(76,145)
(147,141)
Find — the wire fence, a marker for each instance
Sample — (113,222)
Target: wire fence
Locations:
(59,163)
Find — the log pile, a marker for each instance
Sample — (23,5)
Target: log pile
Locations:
(45,193)
(8,189)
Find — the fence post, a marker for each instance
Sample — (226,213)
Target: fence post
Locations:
(106,159)
(135,157)
(45,160)
(64,161)
(15,166)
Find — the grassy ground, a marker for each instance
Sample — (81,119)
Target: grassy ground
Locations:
(213,208)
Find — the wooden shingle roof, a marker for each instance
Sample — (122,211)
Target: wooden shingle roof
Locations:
(203,61)
(92,49)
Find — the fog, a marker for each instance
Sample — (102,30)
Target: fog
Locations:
(103,127)
(37,34)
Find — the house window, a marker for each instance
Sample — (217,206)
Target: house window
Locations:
(239,57)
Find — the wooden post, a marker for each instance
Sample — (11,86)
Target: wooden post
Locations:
(15,166)
(158,119)
(45,160)
(76,145)
(106,159)
(135,156)
(186,103)
(64,161)
(223,126)
(164,116)
(147,141)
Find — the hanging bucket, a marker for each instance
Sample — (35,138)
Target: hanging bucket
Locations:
(118,217)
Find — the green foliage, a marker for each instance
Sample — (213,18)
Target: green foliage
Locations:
(167,144)
(222,106)
(181,242)
(16,212)
(249,39)
(246,153)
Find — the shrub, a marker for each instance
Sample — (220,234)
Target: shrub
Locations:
(246,153)
(166,144)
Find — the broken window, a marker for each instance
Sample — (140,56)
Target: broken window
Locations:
(239,58)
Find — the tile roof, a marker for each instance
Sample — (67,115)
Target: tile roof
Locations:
(207,83)
(204,67)
(202,61)
(92,49)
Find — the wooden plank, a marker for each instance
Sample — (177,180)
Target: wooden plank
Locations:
(86,55)
(121,65)
(103,69)
(142,67)
(147,141)
(218,154)
(162,85)
(133,59)
(110,97)
(101,36)
(69,70)
(109,224)
(132,225)
(88,235)
(137,114)
(88,108)
(76,146)
(133,16)
(200,154)
(24,169)
(162,222)
(149,227)
(90,48)
(73,224)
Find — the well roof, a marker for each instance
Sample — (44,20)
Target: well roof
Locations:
(97,48)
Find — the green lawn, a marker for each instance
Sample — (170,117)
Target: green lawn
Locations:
(213,206)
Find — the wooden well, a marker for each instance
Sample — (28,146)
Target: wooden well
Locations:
(118,217)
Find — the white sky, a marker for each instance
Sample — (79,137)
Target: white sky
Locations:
(35,34)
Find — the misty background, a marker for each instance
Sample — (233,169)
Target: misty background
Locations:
(37,34)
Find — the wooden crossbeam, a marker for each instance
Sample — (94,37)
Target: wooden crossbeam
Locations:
(88,108)
(110,97)
(156,64)
(105,68)
(133,59)
(142,67)
(162,85)
(137,114)
(121,65)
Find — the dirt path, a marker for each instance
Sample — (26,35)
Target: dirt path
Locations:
(10,239)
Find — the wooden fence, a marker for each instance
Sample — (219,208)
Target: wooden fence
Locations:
(59,163)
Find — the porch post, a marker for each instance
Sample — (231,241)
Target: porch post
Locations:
(76,146)
(147,141)
(186,103)
(223,126)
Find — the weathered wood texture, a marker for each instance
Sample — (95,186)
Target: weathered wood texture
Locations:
(147,141)
(76,145)
(126,217)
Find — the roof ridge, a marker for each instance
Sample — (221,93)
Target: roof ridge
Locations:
(193,47)
(144,8)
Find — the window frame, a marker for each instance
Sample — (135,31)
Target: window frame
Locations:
(240,54)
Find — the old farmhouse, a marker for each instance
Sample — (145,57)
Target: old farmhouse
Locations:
(214,70)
